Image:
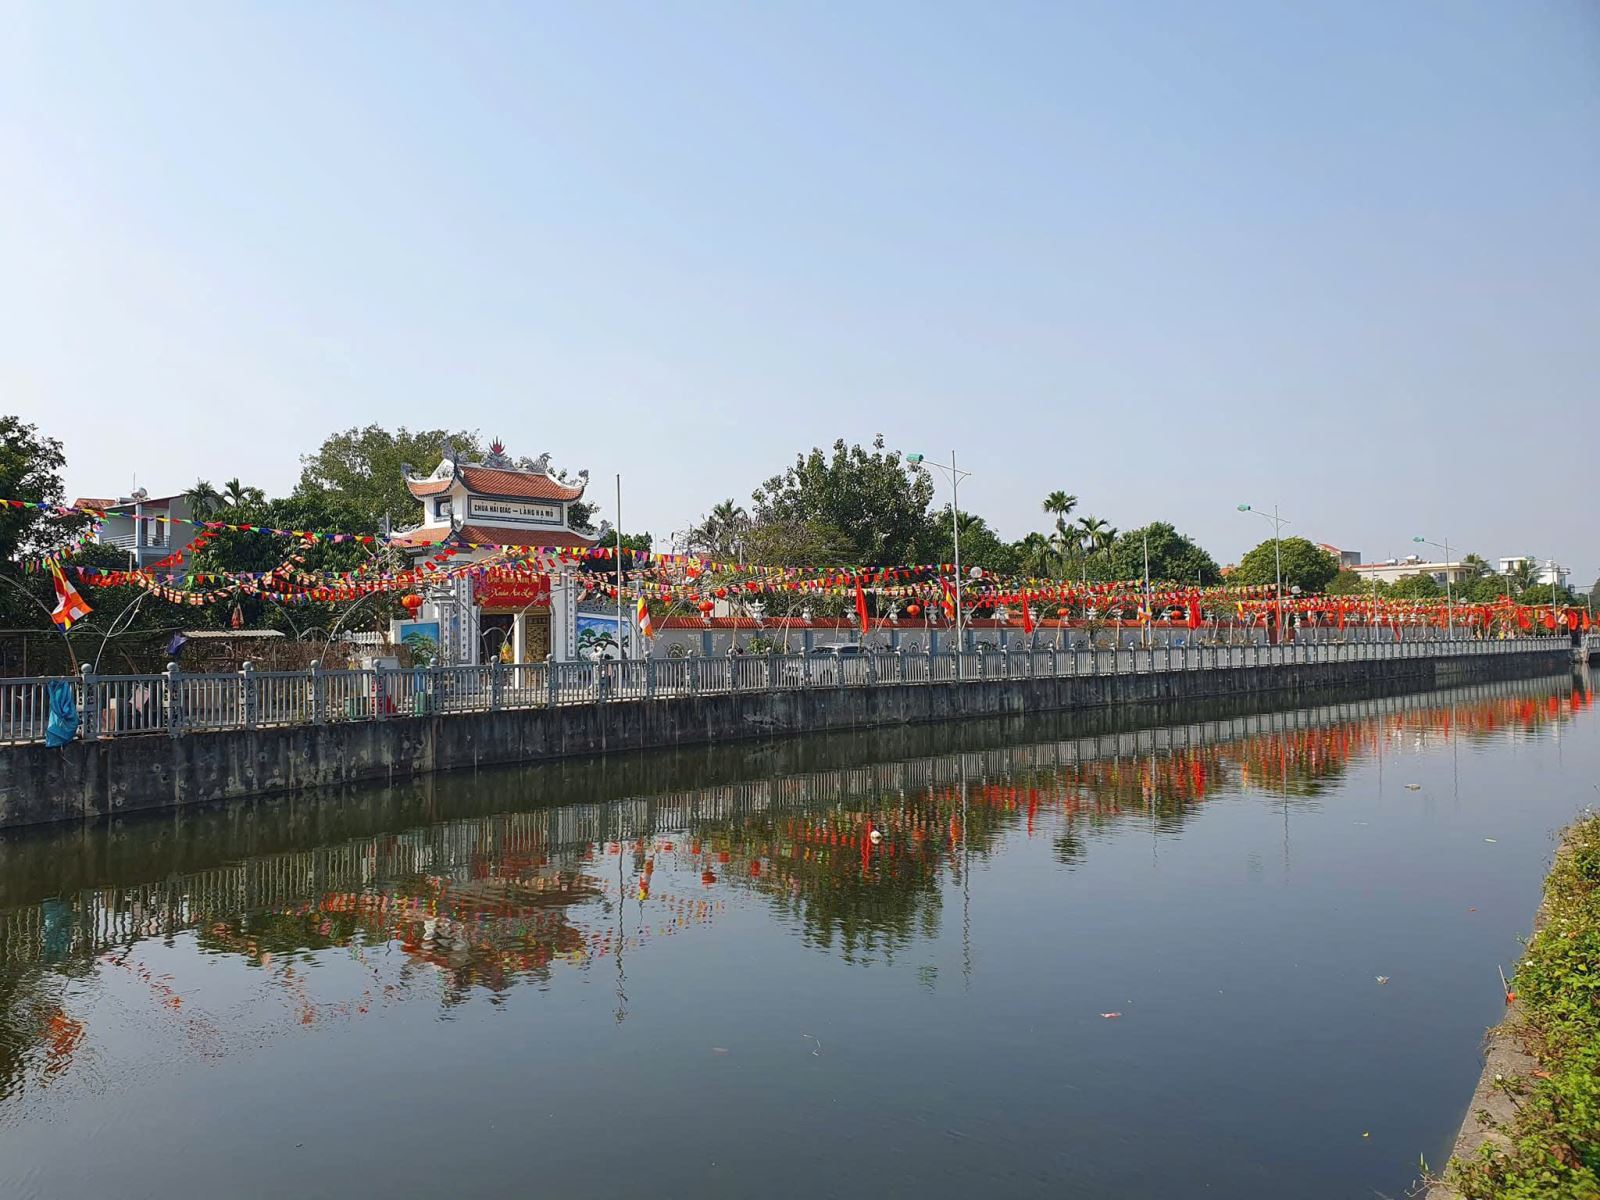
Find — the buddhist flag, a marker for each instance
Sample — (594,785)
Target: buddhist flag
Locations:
(70,606)
(861,606)
(642,614)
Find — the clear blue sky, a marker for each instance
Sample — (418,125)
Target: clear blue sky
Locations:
(1344,256)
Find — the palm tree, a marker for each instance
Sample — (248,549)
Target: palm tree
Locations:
(1059,505)
(1068,545)
(1098,534)
(1037,554)
(238,495)
(721,533)
(203,499)
(1522,576)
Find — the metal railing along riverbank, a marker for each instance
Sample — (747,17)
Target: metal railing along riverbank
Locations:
(177,702)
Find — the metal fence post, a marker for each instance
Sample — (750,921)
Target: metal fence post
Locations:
(319,695)
(88,717)
(649,678)
(380,694)
(772,669)
(497,683)
(551,684)
(174,700)
(247,695)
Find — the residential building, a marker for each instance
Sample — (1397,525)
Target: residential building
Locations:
(1395,569)
(149,529)
(1549,570)
(1348,559)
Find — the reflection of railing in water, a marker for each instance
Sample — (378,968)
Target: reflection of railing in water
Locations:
(462,851)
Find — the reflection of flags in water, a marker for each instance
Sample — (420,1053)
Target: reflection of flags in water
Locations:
(642,613)
(70,606)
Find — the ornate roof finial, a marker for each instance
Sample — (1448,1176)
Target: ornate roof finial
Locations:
(497,455)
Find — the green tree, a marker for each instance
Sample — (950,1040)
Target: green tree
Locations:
(1349,583)
(722,532)
(237,495)
(1523,575)
(1420,586)
(872,505)
(1305,565)
(1482,589)
(980,545)
(1036,556)
(1173,556)
(30,469)
(361,471)
(1067,539)
(1099,536)
(203,500)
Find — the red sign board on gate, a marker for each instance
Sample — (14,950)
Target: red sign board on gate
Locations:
(512,591)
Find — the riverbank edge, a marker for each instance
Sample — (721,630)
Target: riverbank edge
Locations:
(1513,1077)
(121,776)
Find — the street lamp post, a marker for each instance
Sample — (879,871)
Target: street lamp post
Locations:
(1449,593)
(1278,523)
(956,476)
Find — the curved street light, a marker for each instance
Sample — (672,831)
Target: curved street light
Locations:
(1449,592)
(956,475)
(1277,554)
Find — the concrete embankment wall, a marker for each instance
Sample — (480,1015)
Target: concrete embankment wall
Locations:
(88,780)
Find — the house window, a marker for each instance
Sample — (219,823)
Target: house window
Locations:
(442,510)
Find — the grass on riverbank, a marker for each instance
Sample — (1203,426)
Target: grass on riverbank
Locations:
(1554,1139)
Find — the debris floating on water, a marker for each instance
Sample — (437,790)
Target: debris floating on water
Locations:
(1410,787)
(1381,978)
(1111,1016)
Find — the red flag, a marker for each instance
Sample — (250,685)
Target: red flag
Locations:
(1027,617)
(1523,619)
(1194,613)
(861,606)
(70,607)
(1549,620)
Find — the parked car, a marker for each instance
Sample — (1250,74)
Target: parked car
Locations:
(830,663)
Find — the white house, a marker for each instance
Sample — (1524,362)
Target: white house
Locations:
(147,528)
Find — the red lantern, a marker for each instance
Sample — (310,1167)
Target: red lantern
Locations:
(1063,612)
(411,602)
(706,606)
(722,593)
(913,609)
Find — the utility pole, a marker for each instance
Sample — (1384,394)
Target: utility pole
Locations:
(1278,523)
(956,476)
(1449,591)
(619,569)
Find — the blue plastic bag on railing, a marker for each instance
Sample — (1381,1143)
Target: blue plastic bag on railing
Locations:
(63,724)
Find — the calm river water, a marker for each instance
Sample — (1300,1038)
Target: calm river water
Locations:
(1085,959)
